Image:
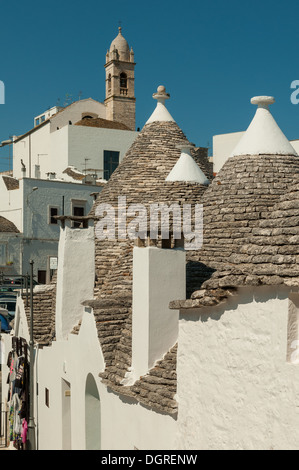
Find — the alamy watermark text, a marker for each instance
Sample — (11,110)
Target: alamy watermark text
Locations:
(157,220)
(295,94)
(2,92)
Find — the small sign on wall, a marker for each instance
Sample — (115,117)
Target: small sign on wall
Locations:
(53,262)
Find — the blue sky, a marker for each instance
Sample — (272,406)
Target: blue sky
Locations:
(211,55)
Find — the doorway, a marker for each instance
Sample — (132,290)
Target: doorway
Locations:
(66,415)
(92,415)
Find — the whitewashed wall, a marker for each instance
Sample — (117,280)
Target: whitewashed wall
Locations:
(295,144)
(158,275)
(29,210)
(59,151)
(58,144)
(50,193)
(236,389)
(223,145)
(13,244)
(11,206)
(71,144)
(75,276)
(90,142)
(125,424)
(74,112)
(33,149)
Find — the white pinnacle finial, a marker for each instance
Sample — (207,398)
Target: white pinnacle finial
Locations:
(185,146)
(263,136)
(186,169)
(262,101)
(161,113)
(161,94)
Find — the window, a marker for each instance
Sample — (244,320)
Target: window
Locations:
(43,118)
(109,82)
(88,115)
(10,306)
(123,80)
(111,161)
(42,277)
(47,397)
(53,211)
(78,210)
(37,121)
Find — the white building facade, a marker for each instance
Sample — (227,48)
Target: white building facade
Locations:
(32,207)
(74,410)
(59,143)
(68,155)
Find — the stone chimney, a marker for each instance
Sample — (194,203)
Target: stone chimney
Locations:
(75,274)
(159,276)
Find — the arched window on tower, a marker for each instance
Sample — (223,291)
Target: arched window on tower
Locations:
(109,83)
(123,83)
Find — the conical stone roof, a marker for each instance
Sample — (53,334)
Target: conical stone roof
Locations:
(235,204)
(141,175)
(140,178)
(270,255)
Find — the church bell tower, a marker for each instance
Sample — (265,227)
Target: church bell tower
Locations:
(120,96)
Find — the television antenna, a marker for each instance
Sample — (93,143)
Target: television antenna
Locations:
(84,164)
(209,148)
(68,99)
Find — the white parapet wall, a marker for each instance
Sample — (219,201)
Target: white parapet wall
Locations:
(63,426)
(238,388)
(159,276)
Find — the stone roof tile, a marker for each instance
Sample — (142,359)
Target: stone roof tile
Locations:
(7,226)
(141,178)
(250,221)
(10,182)
(102,123)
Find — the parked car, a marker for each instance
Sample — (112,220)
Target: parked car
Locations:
(8,302)
(4,289)
(4,320)
(17,282)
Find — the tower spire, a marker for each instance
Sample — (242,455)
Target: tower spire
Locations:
(120,96)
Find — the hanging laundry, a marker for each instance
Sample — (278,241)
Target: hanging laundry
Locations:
(18,395)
